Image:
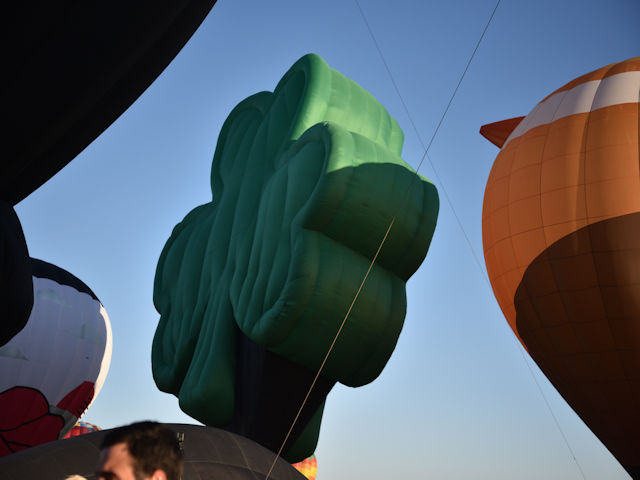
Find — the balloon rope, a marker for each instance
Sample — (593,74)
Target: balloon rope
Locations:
(464,233)
(335,339)
(424,155)
(433,136)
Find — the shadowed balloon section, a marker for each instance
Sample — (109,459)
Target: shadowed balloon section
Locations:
(97,59)
(16,299)
(208,453)
(586,337)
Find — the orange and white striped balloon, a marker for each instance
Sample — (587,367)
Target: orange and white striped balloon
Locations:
(561,234)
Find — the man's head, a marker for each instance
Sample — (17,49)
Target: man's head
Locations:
(140,451)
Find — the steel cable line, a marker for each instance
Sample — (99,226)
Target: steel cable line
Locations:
(478,263)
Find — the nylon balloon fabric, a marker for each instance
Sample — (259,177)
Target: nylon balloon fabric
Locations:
(305,182)
(561,219)
(16,299)
(209,453)
(97,57)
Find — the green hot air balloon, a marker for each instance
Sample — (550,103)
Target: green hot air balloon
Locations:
(253,286)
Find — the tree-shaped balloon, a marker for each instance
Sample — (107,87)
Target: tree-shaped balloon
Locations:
(253,286)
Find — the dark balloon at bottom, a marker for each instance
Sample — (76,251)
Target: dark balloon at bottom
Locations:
(208,453)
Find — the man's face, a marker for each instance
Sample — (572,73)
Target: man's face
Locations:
(115,463)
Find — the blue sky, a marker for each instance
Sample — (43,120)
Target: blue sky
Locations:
(458,399)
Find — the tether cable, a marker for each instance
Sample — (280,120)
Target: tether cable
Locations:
(335,339)
(433,136)
(393,219)
(464,233)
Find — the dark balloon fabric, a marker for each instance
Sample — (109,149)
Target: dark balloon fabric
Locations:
(209,454)
(269,390)
(16,297)
(305,181)
(71,68)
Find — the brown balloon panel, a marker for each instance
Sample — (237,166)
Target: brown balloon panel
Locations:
(577,310)
(554,180)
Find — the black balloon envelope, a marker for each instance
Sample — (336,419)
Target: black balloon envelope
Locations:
(209,453)
(16,288)
(71,68)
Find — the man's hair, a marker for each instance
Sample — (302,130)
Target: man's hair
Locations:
(152,446)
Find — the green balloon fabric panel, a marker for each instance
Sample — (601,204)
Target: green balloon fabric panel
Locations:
(321,218)
(305,181)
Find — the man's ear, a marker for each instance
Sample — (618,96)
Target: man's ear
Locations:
(158,475)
